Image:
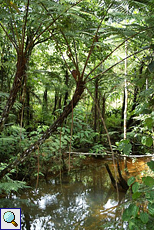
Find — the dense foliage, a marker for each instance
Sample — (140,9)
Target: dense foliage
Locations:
(52,53)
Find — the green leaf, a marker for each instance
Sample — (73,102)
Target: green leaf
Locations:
(127,149)
(133,209)
(131,180)
(136,195)
(149,122)
(149,181)
(135,187)
(152,195)
(143,140)
(125,216)
(148,141)
(144,217)
(151,165)
(151,67)
(124,146)
(133,226)
(151,209)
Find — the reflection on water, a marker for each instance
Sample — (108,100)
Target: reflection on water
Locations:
(81,200)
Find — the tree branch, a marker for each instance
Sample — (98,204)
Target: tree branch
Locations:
(24,26)
(9,37)
(15,26)
(114,51)
(70,50)
(92,46)
(48,27)
(116,64)
(61,53)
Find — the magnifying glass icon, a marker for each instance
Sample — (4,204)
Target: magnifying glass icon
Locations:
(9,217)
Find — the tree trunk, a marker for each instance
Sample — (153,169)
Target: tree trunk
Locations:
(28,116)
(45,105)
(103,106)
(135,99)
(67,110)
(59,103)
(55,104)
(2,74)
(122,112)
(95,107)
(130,121)
(103,115)
(66,83)
(20,73)
(125,111)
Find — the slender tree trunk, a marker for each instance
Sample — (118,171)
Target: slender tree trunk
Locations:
(130,121)
(125,111)
(45,98)
(67,110)
(22,98)
(135,99)
(55,104)
(59,103)
(126,105)
(2,74)
(45,104)
(95,107)
(103,106)
(103,115)
(147,84)
(66,83)
(126,96)
(123,107)
(28,116)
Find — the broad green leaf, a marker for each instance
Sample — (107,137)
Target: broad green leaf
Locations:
(151,67)
(135,187)
(127,148)
(136,195)
(152,195)
(144,217)
(149,181)
(151,209)
(148,141)
(125,216)
(131,180)
(151,165)
(149,122)
(143,140)
(133,210)
(131,225)
(124,146)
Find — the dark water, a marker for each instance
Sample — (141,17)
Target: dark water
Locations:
(81,200)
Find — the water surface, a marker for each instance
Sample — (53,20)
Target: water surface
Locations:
(83,199)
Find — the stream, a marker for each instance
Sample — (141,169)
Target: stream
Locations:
(83,199)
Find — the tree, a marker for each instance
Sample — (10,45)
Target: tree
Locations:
(24,33)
